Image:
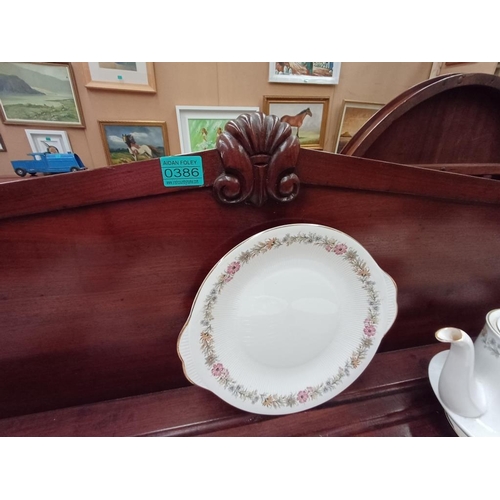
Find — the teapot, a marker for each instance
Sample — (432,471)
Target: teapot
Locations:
(466,379)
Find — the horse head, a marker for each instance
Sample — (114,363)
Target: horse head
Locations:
(308,112)
(128,139)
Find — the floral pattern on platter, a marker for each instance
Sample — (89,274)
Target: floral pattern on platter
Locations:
(339,250)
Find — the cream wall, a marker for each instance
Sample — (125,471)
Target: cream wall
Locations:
(218,84)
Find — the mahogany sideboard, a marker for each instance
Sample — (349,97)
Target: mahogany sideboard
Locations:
(99,269)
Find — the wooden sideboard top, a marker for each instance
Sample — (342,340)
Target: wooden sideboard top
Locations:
(392,397)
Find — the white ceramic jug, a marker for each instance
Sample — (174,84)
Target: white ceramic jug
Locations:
(470,378)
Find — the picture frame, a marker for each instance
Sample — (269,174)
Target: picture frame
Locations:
(3,148)
(128,77)
(39,94)
(131,141)
(319,73)
(48,141)
(306,115)
(354,115)
(438,67)
(199,126)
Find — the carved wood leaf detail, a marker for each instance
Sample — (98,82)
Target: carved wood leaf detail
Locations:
(259,154)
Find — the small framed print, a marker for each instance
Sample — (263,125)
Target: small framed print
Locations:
(354,115)
(131,141)
(48,141)
(322,73)
(200,126)
(125,76)
(306,115)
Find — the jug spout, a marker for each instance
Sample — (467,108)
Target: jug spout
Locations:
(458,388)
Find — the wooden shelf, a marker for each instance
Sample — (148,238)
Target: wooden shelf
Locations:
(392,397)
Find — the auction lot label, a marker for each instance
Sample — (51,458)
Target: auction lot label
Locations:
(178,171)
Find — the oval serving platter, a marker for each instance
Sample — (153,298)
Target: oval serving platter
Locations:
(287,319)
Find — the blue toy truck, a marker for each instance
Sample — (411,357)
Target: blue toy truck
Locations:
(47,163)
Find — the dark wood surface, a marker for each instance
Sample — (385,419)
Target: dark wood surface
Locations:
(448,120)
(99,269)
(393,397)
(11,178)
(479,169)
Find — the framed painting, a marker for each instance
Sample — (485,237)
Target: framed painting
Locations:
(199,127)
(126,76)
(354,115)
(48,141)
(131,141)
(2,145)
(306,115)
(39,93)
(323,73)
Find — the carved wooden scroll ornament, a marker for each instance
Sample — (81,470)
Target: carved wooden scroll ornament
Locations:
(259,154)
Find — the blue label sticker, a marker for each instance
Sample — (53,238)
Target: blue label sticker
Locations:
(179,171)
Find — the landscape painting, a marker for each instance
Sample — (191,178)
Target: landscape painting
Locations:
(354,116)
(127,142)
(306,116)
(39,93)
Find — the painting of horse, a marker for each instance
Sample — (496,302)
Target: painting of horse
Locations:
(306,116)
(136,149)
(128,142)
(297,120)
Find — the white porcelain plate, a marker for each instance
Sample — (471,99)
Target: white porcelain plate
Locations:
(287,319)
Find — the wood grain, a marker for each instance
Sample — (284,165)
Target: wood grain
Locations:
(99,269)
(451,119)
(392,397)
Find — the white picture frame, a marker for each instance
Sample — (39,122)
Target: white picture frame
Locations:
(41,141)
(325,73)
(192,120)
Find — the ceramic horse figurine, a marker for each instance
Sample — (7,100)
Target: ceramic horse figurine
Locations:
(136,149)
(297,120)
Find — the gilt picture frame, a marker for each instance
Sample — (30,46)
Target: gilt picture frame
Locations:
(307,116)
(132,141)
(354,115)
(199,126)
(316,73)
(121,76)
(39,94)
